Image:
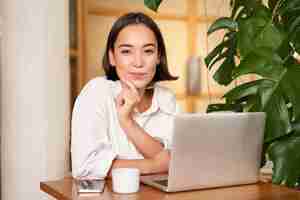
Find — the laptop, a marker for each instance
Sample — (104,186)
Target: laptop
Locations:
(213,150)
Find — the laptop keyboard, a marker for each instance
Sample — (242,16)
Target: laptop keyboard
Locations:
(162,182)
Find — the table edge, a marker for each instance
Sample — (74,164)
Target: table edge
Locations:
(51,192)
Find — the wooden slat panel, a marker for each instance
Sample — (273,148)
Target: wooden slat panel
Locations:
(81,19)
(115,12)
(192,35)
(73,53)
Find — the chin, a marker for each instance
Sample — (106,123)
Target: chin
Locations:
(140,84)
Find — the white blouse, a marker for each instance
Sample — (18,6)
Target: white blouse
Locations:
(98,139)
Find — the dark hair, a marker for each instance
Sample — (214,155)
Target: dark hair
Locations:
(162,72)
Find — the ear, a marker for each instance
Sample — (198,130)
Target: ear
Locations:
(111,58)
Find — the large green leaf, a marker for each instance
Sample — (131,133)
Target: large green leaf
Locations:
(224,73)
(264,43)
(296,127)
(246,34)
(248,7)
(285,49)
(277,120)
(269,37)
(226,51)
(223,23)
(219,57)
(263,62)
(286,159)
(224,107)
(289,12)
(270,100)
(295,24)
(216,51)
(289,6)
(291,87)
(257,32)
(292,25)
(251,105)
(244,90)
(296,40)
(152,4)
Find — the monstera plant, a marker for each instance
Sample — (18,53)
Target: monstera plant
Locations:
(262,38)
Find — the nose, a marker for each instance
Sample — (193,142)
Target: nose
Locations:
(138,59)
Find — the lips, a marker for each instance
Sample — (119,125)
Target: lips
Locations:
(137,75)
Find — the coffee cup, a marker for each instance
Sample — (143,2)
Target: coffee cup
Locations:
(125,180)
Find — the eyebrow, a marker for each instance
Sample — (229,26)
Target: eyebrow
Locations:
(129,45)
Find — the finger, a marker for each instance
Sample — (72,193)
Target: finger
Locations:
(130,92)
(120,99)
(125,98)
(129,98)
(133,89)
(127,93)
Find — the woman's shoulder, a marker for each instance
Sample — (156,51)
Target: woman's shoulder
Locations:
(166,98)
(96,88)
(98,84)
(164,92)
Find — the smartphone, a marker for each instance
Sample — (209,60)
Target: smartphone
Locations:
(90,186)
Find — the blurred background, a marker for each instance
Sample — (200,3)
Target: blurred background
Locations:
(184,24)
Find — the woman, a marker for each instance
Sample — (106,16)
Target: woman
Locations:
(125,119)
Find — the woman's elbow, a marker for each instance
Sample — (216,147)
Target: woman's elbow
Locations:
(162,160)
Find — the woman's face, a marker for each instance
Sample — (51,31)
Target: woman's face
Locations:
(135,55)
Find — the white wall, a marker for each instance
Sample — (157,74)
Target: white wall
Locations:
(34,95)
(0,94)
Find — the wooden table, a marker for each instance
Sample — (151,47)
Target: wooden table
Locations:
(65,190)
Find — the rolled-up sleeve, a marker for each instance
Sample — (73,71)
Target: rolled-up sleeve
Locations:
(92,152)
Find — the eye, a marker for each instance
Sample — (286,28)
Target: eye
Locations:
(149,51)
(125,51)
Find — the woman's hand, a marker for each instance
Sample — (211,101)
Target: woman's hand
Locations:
(126,102)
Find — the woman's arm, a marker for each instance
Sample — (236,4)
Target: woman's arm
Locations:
(92,152)
(158,164)
(126,101)
(145,143)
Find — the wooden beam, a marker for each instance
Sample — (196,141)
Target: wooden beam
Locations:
(206,19)
(192,28)
(81,53)
(101,11)
(73,53)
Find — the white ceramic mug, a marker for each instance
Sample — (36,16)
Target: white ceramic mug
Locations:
(126,180)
